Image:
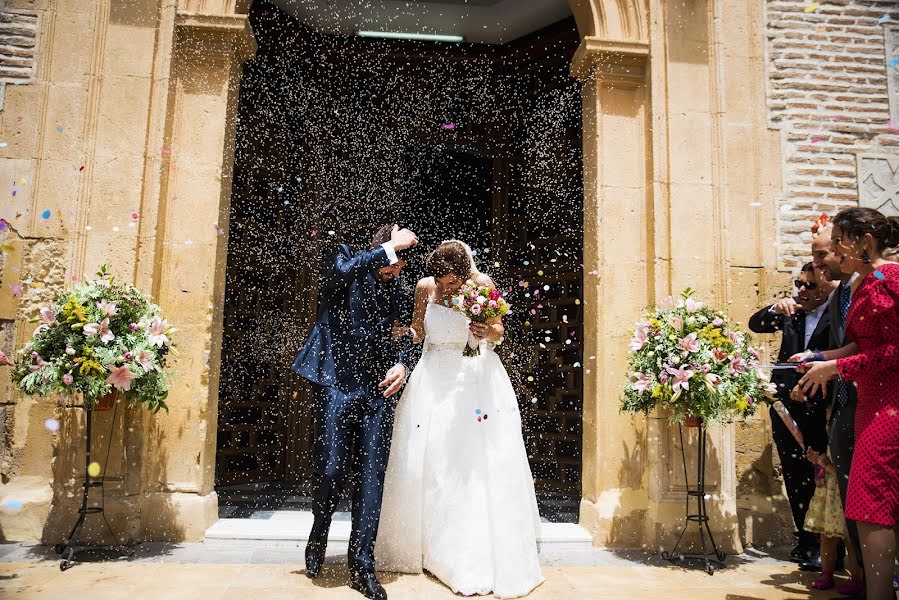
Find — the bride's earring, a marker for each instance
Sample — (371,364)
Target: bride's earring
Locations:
(866,258)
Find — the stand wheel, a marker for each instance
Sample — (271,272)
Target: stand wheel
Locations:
(59,548)
(64,564)
(710,569)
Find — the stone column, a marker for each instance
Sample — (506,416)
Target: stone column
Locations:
(179,501)
(619,246)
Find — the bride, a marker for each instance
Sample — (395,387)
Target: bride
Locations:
(458,495)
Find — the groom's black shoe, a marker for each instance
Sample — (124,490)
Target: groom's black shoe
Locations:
(315,558)
(367,585)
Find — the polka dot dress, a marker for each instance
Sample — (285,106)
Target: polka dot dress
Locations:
(873,324)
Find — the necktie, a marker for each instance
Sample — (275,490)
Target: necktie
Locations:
(842,393)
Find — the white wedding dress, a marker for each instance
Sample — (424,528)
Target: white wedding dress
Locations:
(459,496)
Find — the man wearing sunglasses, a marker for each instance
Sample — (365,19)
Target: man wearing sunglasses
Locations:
(805,323)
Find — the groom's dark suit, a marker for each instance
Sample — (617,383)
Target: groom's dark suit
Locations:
(346,355)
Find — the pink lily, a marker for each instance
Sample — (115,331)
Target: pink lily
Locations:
(717,321)
(105,333)
(713,380)
(91,329)
(5,361)
(689,343)
(156,332)
(677,323)
(681,378)
(719,354)
(737,365)
(639,339)
(109,308)
(48,315)
(120,377)
(692,305)
(144,359)
(642,383)
(667,303)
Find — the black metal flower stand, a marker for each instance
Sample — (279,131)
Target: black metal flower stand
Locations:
(67,549)
(714,559)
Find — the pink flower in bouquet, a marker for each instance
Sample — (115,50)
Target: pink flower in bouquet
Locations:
(705,368)
(494,294)
(736,337)
(134,327)
(639,339)
(145,359)
(663,377)
(492,304)
(677,323)
(668,303)
(754,353)
(689,343)
(108,308)
(737,366)
(770,390)
(101,329)
(713,380)
(717,321)
(70,351)
(48,315)
(475,309)
(120,377)
(39,362)
(692,305)
(681,378)
(719,354)
(156,332)
(5,361)
(642,383)
(68,379)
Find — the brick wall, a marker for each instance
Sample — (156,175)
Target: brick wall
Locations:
(18,46)
(828,94)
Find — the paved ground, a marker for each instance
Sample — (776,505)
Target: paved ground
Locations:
(257,570)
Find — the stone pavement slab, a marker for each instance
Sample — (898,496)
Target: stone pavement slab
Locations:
(190,571)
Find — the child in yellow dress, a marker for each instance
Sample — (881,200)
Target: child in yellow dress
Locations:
(825,517)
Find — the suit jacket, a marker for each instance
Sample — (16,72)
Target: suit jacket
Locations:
(793,341)
(837,334)
(350,344)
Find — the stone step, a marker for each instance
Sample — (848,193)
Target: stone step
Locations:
(294,526)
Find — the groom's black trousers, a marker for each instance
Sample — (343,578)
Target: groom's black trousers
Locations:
(355,429)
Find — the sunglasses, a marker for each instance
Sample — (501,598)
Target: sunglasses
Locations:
(809,285)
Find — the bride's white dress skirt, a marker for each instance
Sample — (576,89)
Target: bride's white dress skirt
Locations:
(459,497)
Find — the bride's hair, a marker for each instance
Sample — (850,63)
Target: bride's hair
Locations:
(452,256)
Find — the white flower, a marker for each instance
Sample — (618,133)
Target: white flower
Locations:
(692,305)
(156,332)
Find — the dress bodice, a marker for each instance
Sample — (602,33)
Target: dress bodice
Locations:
(445,328)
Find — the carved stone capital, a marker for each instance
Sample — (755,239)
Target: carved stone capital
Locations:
(616,62)
(222,36)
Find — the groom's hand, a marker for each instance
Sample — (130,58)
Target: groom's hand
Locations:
(401,239)
(394,380)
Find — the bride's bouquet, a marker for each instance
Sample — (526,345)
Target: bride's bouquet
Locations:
(479,304)
(96,339)
(690,358)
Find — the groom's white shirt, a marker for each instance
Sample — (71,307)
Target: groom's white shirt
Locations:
(391,253)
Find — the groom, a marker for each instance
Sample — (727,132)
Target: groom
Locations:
(346,357)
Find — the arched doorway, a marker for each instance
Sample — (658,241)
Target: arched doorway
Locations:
(337,134)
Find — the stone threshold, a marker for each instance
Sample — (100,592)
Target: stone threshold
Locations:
(287,525)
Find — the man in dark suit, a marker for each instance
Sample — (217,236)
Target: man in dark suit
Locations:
(805,324)
(346,355)
(843,396)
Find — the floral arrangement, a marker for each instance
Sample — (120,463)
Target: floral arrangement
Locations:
(95,339)
(688,357)
(479,304)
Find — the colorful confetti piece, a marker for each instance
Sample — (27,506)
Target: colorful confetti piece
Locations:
(816,139)
(893,126)
(11,505)
(135,216)
(51,425)
(3,225)
(812,7)
(893,62)
(93,469)
(883,19)
(165,150)
(448,126)
(46,215)
(3,144)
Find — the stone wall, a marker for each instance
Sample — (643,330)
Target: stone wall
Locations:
(828,94)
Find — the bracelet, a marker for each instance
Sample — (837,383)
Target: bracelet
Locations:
(818,356)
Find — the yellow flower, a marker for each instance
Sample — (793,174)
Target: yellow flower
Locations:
(742,404)
(91,365)
(656,391)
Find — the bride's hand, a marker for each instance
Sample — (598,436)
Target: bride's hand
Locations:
(394,380)
(479,330)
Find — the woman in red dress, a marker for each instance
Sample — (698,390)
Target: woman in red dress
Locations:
(860,237)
